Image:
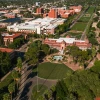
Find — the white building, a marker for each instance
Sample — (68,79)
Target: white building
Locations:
(40,25)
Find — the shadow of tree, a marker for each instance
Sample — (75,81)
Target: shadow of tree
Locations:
(25,91)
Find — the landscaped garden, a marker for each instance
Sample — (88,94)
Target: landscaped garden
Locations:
(52,70)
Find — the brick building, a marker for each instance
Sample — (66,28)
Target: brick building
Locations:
(53,13)
(77,9)
(39,10)
(61,43)
(10,38)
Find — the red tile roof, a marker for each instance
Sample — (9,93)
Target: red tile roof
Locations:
(13,36)
(6,50)
(98,98)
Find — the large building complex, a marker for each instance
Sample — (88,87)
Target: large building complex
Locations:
(39,26)
(61,43)
(62,12)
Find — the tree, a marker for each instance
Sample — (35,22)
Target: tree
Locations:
(5,63)
(1,40)
(45,48)
(19,64)
(15,76)
(6,96)
(11,89)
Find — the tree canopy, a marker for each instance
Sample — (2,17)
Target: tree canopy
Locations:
(5,63)
(79,85)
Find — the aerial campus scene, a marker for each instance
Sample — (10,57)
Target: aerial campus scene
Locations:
(49,49)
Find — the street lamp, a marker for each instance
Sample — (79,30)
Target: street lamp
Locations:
(37,79)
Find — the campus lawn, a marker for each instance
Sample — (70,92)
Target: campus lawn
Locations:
(6,81)
(91,10)
(41,90)
(52,70)
(86,18)
(79,26)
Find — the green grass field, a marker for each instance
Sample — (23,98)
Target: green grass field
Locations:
(79,26)
(86,18)
(6,81)
(41,89)
(52,70)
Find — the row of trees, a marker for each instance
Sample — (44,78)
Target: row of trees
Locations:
(79,85)
(42,36)
(13,86)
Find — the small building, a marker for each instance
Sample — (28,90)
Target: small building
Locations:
(10,38)
(77,9)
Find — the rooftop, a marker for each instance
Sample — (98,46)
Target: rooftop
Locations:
(6,50)
(13,35)
(47,23)
(98,98)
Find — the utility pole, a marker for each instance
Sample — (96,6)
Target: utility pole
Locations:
(37,79)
